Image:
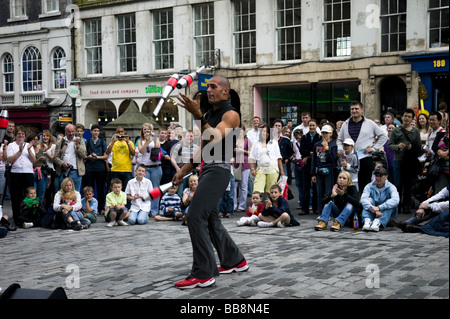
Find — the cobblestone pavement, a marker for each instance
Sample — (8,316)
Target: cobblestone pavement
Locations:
(144,261)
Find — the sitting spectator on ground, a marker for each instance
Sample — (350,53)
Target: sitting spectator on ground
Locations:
(379,201)
(116,201)
(79,221)
(170,206)
(67,185)
(89,204)
(138,192)
(276,212)
(436,207)
(32,210)
(253,211)
(341,203)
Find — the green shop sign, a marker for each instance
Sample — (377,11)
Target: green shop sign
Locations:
(153,89)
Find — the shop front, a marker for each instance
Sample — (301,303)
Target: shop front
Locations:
(432,69)
(34,119)
(103,102)
(323,100)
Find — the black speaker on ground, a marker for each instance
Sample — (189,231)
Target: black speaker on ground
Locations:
(15,292)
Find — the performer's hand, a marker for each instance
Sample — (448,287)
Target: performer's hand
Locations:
(178,178)
(192,106)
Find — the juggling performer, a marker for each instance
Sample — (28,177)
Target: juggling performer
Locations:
(205,227)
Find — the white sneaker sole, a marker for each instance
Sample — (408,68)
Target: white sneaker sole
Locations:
(235,269)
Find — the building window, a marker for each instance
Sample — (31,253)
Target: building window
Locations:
(439,17)
(393,25)
(204,34)
(245,31)
(163,39)
(59,69)
(127,42)
(50,6)
(337,28)
(8,73)
(18,8)
(93,45)
(289,29)
(32,69)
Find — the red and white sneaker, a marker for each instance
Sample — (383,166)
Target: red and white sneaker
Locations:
(190,282)
(243,266)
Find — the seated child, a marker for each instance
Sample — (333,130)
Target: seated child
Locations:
(276,211)
(31,210)
(79,222)
(89,204)
(170,206)
(116,201)
(253,211)
(138,192)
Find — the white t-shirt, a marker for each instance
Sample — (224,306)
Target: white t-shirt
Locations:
(23,163)
(143,188)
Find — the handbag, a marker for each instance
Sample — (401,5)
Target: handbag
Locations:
(434,169)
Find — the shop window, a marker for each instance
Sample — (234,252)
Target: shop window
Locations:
(59,69)
(8,73)
(31,69)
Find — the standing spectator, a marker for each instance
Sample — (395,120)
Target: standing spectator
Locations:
(122,152)
(266,155)
(242,167)
(9,134)
(388,119)
(149,148)
(48,146)
(167,141)
(69,158)
(443,110)
(423,126)
(306,150)
(389,154)
(40,175)
(2,171)
(285,145)
(363,132)
(379,201)
(350,162)
(306,117)
(298,166)
(96,166)
(323,165)
(253,134)
(437,132)
(20,156)
(440,149)
(405,142)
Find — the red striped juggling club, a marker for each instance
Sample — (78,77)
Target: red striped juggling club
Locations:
(168,89)
(157,192)
(186,80)
(4,120)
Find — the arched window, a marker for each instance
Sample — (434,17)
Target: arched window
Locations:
(8,73)
(59,69)
(31,69)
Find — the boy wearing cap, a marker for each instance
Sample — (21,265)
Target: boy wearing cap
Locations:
(349,162)
(379,201)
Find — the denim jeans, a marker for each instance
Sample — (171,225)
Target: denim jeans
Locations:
(324,184)
(383,219)
(242,185)
(140,217)
(154,174)
(40,185)
(331,209)
(226,201)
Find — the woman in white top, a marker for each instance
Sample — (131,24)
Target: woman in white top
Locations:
(146,143)
(20,156)
(67,185)
(266,155)
(424,127)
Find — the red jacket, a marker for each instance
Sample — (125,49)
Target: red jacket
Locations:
(258,210)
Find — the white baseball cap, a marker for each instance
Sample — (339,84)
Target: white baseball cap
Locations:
(349,141)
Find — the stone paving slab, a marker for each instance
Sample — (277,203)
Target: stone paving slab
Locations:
(144,262)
